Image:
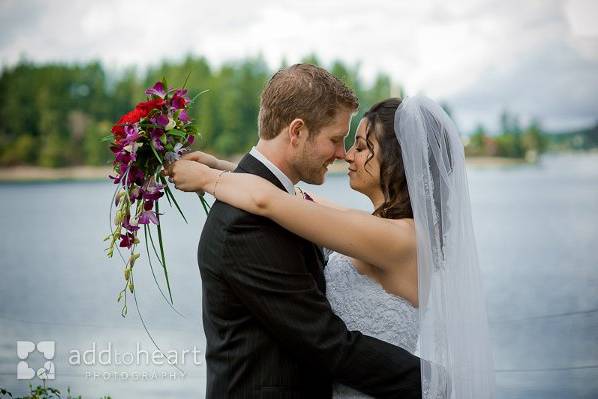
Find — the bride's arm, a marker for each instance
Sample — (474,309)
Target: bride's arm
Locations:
(321,200)
(380,242)
(210,160)
(221,164)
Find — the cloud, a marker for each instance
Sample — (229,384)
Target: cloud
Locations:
(558,90)
(581,15)
(476,53)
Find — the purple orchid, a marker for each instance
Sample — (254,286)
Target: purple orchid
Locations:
(175,154)
(135,175)
(147,217)
(123,168)
(181,93)
(124,157)
(116,148)
(115,178)
(183,116)
(132,149)
(130,224)
(180,99)
(155,135)
(156,90)
(152,191)
(132,132)
(135,193)
(161,120)
(148,205)
(127,241)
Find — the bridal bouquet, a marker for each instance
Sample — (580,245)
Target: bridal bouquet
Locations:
(155,132)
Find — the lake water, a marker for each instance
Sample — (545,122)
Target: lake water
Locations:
(537,232)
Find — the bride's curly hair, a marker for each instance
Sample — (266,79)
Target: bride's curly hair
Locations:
(393,182)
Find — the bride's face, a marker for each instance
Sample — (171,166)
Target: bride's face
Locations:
(364,175)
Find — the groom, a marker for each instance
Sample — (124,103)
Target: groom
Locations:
(270,330)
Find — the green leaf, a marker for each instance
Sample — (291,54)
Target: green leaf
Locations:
(147,124)
(168,197)
(158,176)
(176,132)
(169,194)
(107,138)
(160,242)
(149,259)
(199,94)
(154,246)
(186,79)
(204,203)
(156,154)
(166,188)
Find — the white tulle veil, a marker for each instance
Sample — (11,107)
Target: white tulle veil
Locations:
(453,337)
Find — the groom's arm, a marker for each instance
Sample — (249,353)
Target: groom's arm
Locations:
(269,274)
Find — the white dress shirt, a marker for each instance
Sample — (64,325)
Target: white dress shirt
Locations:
(286,182)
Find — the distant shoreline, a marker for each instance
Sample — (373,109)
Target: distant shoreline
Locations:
(90,173)
(38,173)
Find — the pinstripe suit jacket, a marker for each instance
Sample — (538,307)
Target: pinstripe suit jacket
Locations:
(270,330)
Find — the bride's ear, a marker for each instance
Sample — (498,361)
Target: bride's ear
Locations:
(297,130)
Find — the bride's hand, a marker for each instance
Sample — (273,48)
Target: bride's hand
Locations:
(187,175)
(210,160)
(202,157)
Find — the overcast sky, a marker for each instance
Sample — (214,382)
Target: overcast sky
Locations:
(538,58)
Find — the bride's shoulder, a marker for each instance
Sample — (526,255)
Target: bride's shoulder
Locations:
(407,230)
(406,223)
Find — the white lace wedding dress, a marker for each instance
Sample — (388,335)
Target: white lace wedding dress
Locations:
(364,306)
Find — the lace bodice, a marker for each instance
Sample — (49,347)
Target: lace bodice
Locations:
(364,306)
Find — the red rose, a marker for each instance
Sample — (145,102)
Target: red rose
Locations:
(126,119)
(141,110)
(147,106)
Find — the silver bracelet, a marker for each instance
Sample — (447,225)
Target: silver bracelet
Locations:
(218,180)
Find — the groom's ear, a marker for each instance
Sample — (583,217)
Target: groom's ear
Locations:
(297,131)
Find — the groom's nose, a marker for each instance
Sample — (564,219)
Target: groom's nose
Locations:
(340,152)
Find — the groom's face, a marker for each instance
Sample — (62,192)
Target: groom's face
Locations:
(320,149)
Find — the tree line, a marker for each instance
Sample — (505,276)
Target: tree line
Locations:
(55,114)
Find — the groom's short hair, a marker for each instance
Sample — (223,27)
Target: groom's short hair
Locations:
(302,91)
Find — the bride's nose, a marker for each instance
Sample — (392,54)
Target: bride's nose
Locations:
(349,155)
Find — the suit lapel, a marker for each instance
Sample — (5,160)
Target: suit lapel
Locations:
(249,164)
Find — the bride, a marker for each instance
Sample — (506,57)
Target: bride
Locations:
(408,272)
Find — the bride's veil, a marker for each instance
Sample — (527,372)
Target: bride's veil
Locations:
(453,336)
